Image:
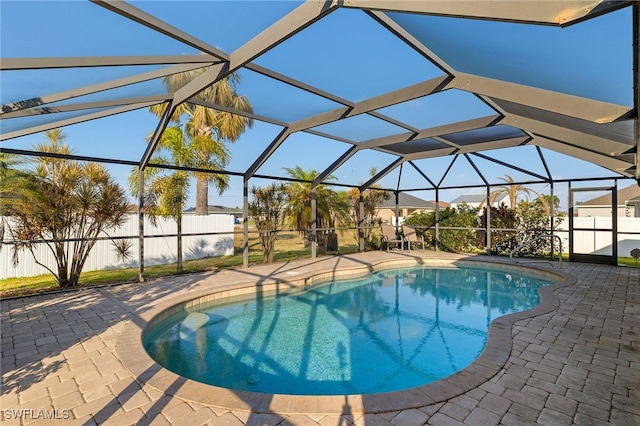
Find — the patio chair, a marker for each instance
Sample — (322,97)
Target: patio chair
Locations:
(411,236)
(389,236)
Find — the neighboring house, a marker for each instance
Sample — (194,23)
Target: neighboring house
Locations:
(235,211)
(634,207)
(476,200)
(407,204)
(628,204)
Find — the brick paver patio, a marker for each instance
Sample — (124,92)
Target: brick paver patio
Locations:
(578,364)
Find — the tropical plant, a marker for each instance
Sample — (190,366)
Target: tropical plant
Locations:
(9,164)
(166,192)
(535,220)
(209,128)
(503,220)
(9,187)
(332,208)
(459,239)
(512,190)
(372,198)
(267,211)
(65,205)
(424,221)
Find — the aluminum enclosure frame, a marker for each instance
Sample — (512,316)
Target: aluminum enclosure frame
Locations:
(598,132)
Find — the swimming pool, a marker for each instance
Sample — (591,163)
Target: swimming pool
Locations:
(392,330)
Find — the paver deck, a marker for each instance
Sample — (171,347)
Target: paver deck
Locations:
(577,364)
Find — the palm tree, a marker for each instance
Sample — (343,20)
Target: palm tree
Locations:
(8,172)
(9,187)
(545,202)
(165,194)
(513,191)
(208,128)
(331,207)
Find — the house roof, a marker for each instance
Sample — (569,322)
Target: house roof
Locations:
(218,210)
(406,201)
(624,195)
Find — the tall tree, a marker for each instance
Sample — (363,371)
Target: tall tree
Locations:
(209,128)
(166,193)
(372,198)
(332,208)
(267,211)
(9,187)
(511,190)
(67,205)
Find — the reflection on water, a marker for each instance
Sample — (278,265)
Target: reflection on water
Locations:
(392,330)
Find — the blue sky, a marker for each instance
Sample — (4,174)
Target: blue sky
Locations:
(346,53)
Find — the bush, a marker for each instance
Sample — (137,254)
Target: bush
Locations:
(464,216)
(67,204)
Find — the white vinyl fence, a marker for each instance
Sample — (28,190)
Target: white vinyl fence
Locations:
(156,250)
(599,242)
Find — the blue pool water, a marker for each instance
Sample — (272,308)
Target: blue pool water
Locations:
(393,330)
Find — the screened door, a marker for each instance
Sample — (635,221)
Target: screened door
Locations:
(592,225)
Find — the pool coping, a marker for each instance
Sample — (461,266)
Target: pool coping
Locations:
(494,356)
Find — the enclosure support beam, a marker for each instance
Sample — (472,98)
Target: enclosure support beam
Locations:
(430,132)
(139,16)
(446,172)
(12,64)
(314,221)
(140,224)
(551,218)
(361,222)
(570,214)
(552,209)
(142,101)
(437,231)
(397,196)
(636,86)
(422,174)
(573,106)
(536,12)
(157,134)
(397,193)
(264,156)
(511,166)
(74,120)
(94,88)
(488,205)
(245,222)
(295,21)
(334,166)
(614,223)
(488,219)
(581,153)
(381,174)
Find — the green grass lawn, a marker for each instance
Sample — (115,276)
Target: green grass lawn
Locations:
(288,247)
(629,261)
